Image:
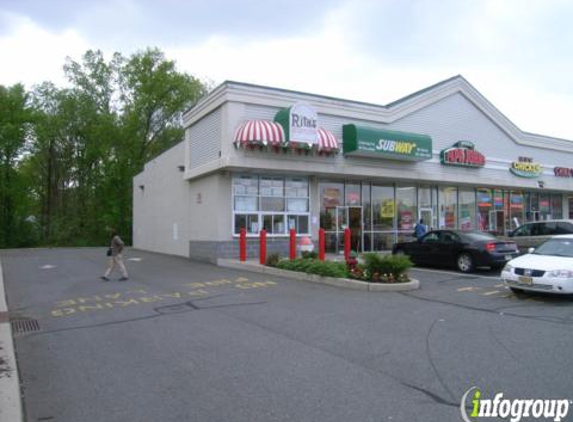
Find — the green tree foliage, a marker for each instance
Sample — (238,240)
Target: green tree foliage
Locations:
(69,154)
(15,119)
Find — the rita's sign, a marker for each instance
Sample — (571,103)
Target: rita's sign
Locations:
(462,154)
(525,167)
(300,123)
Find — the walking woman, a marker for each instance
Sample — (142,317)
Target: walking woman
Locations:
(115,254)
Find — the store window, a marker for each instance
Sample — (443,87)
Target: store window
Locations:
(467,215)
(406,211)
(331,196)
(448,200)
(352,193)
(516,209)
(544,206)
(383,208)
(485,205)
(273,203)
(556,206)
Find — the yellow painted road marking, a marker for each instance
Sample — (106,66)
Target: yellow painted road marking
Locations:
(493,292)
(499,285)
(468,289)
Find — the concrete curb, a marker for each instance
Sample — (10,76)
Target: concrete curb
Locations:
(346,283)
(10,399)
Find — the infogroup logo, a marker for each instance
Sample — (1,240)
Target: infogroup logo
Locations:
(515,409)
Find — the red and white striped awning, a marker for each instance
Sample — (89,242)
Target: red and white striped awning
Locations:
(326,140)
(260,132)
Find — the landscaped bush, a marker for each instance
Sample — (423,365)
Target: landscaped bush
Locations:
(313,266)
(272,260)
(386,268)
(309,254)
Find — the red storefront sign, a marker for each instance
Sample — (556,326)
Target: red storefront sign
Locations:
(463,154)
(563,172)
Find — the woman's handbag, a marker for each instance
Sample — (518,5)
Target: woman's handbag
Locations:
(109,252)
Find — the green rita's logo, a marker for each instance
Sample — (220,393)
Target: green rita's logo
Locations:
(516,409)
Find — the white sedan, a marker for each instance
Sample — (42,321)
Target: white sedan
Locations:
(549,268)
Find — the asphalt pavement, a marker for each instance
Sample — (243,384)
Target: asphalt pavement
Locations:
(188,341)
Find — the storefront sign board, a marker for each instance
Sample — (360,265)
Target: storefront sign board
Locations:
(300,123)
(526,168)
(386,144)
(462,154)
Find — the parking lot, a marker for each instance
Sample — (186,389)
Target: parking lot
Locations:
(183,340)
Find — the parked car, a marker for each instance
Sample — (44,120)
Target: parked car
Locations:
(464,250)
(533,234)
(549,268)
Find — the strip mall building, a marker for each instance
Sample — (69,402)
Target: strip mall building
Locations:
(259,157)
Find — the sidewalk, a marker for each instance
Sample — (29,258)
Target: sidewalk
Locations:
(10,402)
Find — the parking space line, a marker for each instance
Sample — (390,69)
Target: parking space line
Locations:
(490,293)
(468,289)
(473,275)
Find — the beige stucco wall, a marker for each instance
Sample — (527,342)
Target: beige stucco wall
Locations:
(169,211)
(161,205)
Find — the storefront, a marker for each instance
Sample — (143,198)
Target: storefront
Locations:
(256,157)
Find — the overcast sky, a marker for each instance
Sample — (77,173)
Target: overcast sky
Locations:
(517,53)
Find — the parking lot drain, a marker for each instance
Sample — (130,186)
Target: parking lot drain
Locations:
(21,326)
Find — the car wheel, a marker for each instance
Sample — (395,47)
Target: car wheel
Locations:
(465,263)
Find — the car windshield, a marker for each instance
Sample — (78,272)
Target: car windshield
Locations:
(477,236)
(556,247)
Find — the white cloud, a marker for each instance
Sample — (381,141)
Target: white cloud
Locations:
(31,55)
(359,51)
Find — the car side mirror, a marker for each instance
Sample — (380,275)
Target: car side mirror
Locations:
(530,250)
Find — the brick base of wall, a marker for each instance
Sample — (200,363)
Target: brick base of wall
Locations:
(211,251)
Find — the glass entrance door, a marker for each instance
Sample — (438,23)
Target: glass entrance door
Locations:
(349,217)
(427,214)
(496,223)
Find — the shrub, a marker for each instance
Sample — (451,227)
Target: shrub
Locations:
(272,260)
(309,255)
(313,266)
(386,268)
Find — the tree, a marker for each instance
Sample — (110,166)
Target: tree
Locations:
(15,118)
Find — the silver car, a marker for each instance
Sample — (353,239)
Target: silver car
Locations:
(533,234)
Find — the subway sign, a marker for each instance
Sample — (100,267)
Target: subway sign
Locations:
(462,154)
(363,141)
(525,167)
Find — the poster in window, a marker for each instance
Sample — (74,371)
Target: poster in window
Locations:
(406,222)
(387,209)
(332,197)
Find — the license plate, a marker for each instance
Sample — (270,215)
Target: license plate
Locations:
(508,257)
(525,280)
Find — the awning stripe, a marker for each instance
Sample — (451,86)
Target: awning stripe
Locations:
(260,131)
(326,140)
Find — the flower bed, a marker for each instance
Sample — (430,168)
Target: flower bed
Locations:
(376,268)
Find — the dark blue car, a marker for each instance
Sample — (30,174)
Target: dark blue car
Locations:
(464,250)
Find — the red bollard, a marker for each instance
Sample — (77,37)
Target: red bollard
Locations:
(321,244)
(243,245)
(346,243)
(263,246)
(292,254)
